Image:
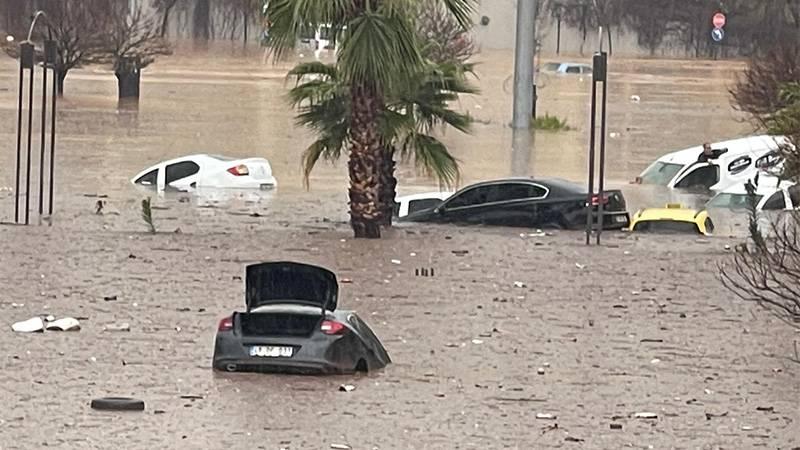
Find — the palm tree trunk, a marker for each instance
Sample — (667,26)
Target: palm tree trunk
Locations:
(364,164)
(388,185)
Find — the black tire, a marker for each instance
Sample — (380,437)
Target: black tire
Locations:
(117,404)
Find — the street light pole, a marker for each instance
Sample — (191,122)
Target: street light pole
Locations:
(524,53)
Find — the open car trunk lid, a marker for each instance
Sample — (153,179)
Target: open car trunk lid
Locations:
(290,283)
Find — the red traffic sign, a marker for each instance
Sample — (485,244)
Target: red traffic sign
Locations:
(719,20)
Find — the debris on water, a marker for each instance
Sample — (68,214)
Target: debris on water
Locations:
(117,327)
(192,397)
(710,416)
(412,254)
(64,324)
(708,391)
(747,428)
(616,426)
(573,439)
(635,99)
(49,318)
(547,364)
(766,408)
(544,416)
(727,247)
(459,252)
(519,284)
(347,388)
(17,305)
(540,370)
(396,261)
(580,266)
(477,341)
(613,135)
(341,446)
(655,361)
(110,298)
(32,325)
(343,280)
(645,415)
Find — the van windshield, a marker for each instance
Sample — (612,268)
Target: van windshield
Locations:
(661,173)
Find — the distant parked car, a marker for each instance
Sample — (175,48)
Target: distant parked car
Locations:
(408,204)
(673,218)
(292,325)
(525,202)
(735,161)
(771,194)
(567,68)
(203,170)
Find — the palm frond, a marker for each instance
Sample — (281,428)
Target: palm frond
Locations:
(288,18)
(379,51)
(432,157)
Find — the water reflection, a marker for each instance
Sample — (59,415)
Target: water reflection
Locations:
(523,143)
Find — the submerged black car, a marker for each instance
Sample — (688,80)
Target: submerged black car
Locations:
(291,325)
(526,202)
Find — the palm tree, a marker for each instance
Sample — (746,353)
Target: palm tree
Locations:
(407,121)
(379,54)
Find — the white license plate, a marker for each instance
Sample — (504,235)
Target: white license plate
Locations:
(621,219)
(270,351)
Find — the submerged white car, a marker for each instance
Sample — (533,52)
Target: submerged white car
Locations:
(772,194)
(202,170)
(735,161)
(408,204)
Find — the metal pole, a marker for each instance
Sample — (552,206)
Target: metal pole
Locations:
(19,137)
(602,161)
(42,140)
(524,52)
(590,193)
(52,140)
(28,161)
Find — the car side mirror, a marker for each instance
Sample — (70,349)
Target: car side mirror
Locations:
(438,210)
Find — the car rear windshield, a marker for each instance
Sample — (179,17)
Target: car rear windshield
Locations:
(661,173)
(732,201)
(666,226)
(551,67)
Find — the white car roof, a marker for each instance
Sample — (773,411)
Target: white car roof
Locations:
(736,147)
(423,196)
(767,185)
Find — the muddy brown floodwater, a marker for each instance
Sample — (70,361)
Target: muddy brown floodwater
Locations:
(638,325)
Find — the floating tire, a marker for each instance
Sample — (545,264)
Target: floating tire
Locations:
(117,404)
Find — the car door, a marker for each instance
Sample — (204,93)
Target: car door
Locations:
(514,204)
(699,176)
(181,175)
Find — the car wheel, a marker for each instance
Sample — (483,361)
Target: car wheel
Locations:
(117,404)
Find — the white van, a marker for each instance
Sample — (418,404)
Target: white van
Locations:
(736,161)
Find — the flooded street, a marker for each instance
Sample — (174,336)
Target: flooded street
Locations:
(639,325)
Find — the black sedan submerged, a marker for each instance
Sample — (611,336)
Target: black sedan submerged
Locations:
(526,202)
(291,325)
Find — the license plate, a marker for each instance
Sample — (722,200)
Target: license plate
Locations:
(621,219)
(270,351)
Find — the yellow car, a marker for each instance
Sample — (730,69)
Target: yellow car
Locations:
(673,218)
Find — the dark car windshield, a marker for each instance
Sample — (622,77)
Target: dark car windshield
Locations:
(661,173)
(666,226)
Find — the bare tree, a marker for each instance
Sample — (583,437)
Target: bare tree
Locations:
(131,40)
(164,8)
(74,26)
(766,270)
(444,39)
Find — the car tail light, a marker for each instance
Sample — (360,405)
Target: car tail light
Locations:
(225,324)
(596,200)
(239,170)
(332,327)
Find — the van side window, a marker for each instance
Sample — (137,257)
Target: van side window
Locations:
(704,177)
